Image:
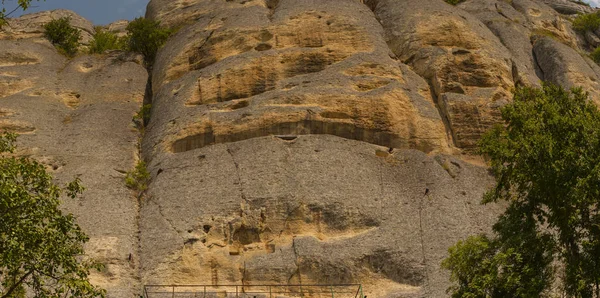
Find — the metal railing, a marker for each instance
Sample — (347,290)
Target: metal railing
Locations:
(254,291)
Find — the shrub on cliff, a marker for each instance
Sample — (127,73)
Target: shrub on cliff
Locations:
(595,55)
(546,160)
(105,41)
(146,37)
(454,2)
(64,36)
(41,249)
(586,22)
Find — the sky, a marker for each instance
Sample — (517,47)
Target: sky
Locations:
(100,12)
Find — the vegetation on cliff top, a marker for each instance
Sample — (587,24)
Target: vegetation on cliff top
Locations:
(146,37)
(64,36)
(41,248)
(546,160)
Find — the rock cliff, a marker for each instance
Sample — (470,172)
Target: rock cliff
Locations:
(290,141)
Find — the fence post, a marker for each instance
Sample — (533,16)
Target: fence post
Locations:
(332,294)
(270,294)
(236,292)
(173,294)
(204,296)
(361,292)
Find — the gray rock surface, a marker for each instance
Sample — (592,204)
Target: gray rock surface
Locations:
(317,209)
(290,141)
(75,117)
(32,25)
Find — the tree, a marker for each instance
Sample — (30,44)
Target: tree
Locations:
(64,36)
(21,4)
(546,160)
(146,37)
(41,249)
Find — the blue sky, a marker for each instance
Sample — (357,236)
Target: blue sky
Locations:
(100,12)
(103,12)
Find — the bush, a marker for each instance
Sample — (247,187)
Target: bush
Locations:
(586,22)
(105,40)
(146,37)
(138,178)
(454,2)
(142,117)
(595,55)
(63,35)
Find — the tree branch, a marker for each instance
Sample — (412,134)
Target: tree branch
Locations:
(16,285)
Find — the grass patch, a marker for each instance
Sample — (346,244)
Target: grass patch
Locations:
(105,41)
(595,55)
(586,22)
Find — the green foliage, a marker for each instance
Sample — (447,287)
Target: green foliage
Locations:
(63,35)
(105,41)
(138,178)
(21,4)
(142,117)
(41,248)
(147,37)
(586,22)
(595,55)
(547,166)
(454,2)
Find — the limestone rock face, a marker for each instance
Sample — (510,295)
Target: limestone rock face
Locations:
(32,25)
(290,141)
(75,117)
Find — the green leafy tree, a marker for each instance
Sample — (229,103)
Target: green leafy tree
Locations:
(105,40)
(147,37)
(546,161)
(64,36)
(21,4)
(41,249)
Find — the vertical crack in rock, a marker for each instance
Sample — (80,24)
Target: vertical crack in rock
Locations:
(297,263)
(421,236)
(538,68)
(271,5)
(166,218)
(238,177)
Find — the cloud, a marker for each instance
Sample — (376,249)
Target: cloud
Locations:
(594,3)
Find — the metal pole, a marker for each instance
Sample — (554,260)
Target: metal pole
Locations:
(332,294)
(361,292)
(173,295)
(270,292)
(236,292)
(204,296)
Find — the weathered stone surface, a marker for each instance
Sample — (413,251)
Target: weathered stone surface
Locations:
(458,55)
(75,117)
(316,209)
(569,6)
(119,27)
(562,65)
(291,141)
(32,25)
(300,68)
